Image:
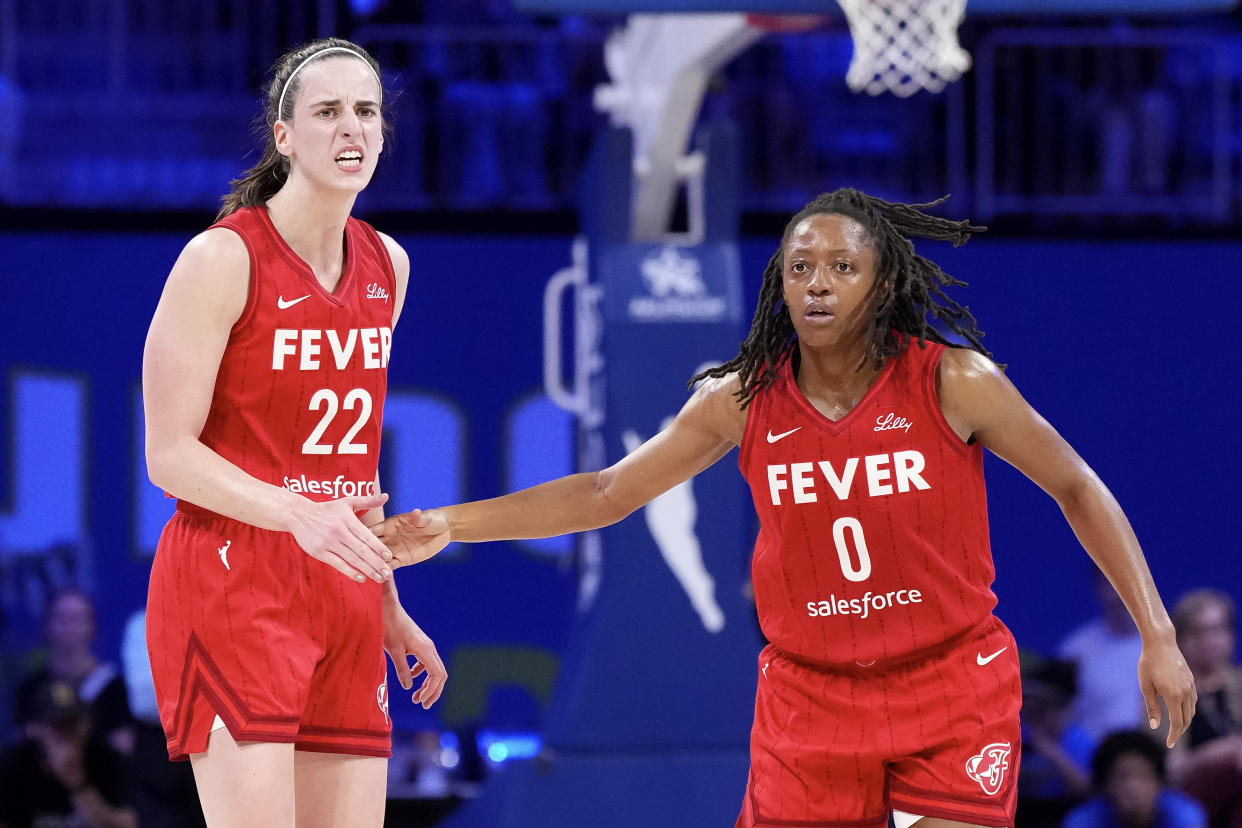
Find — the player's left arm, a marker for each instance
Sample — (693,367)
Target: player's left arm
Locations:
(402,637)
(981,404)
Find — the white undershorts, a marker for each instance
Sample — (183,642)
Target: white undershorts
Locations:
(900,818)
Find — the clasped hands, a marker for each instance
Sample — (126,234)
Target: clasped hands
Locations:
(414,536)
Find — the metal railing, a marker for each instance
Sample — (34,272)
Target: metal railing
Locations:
(135,102)
(1107,123)
(487,116)
(149,103)
(805,132)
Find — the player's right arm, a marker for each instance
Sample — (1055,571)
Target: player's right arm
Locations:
(706,428)
(203,298)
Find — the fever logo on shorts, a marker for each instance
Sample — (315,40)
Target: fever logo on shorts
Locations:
(381,698)
(988,767)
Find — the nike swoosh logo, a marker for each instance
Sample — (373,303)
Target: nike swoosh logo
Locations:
(981,660)
(772,438)
(282,304)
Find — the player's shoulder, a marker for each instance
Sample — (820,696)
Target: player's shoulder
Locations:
(965,365)
(216,247)
(213,268)
(965,376)
(971,387)
(400,259)
(715,400)
(722,390)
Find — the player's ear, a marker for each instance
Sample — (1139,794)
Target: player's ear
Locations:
(280,138)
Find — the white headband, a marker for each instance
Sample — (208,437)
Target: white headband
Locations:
(280,107)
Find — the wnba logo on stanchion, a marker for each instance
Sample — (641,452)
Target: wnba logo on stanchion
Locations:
(988,767)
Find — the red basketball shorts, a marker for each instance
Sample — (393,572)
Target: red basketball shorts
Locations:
(241,623)
(936,735)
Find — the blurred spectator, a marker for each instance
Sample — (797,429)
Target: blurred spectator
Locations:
(1056,753)
(1207,761)
(1106,652)
(62,774)
(1129,778)
(163,792)
(68,636)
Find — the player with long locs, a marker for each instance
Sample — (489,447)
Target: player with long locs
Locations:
(271,604)
(889,686)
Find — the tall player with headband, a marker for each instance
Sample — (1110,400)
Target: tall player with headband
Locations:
(889,687)
(271,604)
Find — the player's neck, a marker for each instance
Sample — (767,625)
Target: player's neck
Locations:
(833,382)
(313,225)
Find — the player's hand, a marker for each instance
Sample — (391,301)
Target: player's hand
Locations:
(330,531)
(402,639)
(1163,674)
(415,536)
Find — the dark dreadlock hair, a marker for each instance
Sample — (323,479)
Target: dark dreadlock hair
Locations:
(899,314)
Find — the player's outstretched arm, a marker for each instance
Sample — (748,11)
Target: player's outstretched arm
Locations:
(707,427)
(980,402)
(203,298)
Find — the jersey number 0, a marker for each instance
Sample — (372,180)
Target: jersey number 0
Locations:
(863,570)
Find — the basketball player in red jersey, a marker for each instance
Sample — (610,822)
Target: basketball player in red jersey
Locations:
(271,603)
(889,686)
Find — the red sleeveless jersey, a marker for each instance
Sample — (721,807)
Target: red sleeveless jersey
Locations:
(299,395)
(873,537)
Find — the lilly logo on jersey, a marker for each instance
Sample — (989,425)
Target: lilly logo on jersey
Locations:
(375,291)
(988,767)
(891,422)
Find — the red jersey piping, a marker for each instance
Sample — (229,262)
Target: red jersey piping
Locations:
(252,285)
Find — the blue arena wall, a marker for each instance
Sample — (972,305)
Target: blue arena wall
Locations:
(1126,347)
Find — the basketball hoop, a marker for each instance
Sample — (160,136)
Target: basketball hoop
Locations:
(902,46)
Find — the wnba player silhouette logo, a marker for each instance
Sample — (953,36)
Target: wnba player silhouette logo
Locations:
(670,519)
(381,698)
(988,767)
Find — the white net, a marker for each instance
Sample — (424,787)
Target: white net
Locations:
(902,46)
